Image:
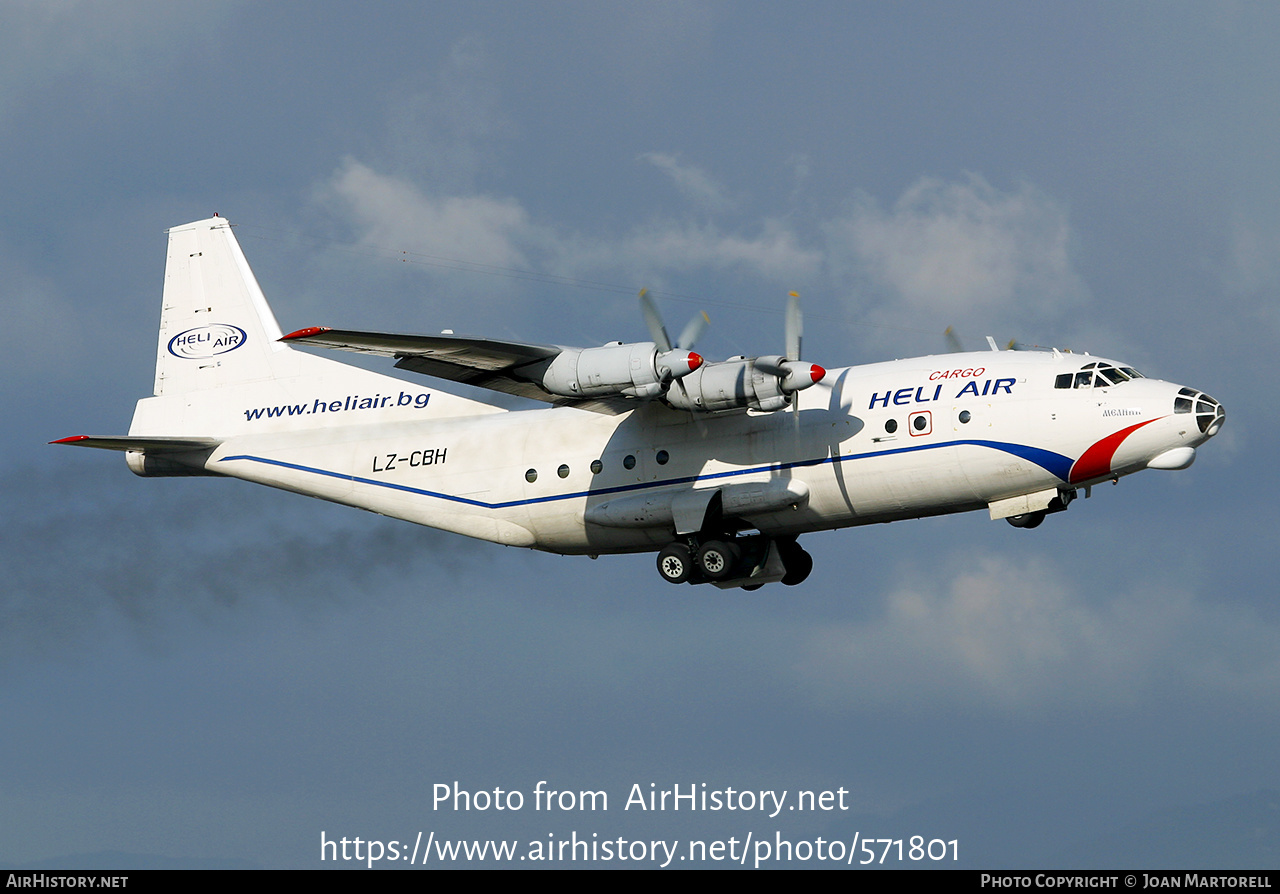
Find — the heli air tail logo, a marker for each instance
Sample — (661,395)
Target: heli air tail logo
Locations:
(206,341)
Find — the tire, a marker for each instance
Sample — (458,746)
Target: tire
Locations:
(799,564)
(675,564)
(1026,520)
(718,559)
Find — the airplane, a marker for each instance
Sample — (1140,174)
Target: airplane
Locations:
(718,467)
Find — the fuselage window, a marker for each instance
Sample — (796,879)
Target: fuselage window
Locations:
(965,416)
(629,461)
(531,476)
(563,471)
(920,423)
(662,457)
(1063,381)
(596,467)
(891,426)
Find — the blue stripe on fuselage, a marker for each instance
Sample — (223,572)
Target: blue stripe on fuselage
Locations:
(1054,463)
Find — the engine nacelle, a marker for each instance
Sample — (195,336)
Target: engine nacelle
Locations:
(635,370)
(732,385)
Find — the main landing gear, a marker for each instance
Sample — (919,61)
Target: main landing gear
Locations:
(747,562)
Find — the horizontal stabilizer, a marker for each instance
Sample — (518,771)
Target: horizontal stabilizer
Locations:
(141,443)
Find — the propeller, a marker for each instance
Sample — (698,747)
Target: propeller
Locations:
(794,373)
(678,360)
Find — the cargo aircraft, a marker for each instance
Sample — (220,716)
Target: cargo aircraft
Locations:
(718,467)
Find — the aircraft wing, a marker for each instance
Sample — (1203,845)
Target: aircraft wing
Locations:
(483,362)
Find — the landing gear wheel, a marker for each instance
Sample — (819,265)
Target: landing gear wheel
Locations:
(749,587)
(1026,520)
(717,558)
(675,564)
(798,562)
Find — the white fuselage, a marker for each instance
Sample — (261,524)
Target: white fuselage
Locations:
(875,443)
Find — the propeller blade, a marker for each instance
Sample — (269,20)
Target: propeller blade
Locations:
(953,341)
(693,331)
(652,319)
(794,327)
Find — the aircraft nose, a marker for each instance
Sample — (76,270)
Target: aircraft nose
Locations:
(1208,412)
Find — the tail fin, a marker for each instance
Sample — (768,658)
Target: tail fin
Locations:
(222,371)
(215,326)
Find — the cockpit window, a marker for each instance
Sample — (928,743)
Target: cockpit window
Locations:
(1098,374)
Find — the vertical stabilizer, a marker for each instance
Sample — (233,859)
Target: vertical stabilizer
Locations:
(215,325)
(221,369)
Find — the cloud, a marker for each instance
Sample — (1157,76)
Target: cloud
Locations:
(469,232)
(967,246)
(392,213)
(692,182)
(1001,634)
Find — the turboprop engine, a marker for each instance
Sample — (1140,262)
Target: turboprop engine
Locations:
(636,370)
(760,383)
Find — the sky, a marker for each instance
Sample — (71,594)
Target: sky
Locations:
(204,673)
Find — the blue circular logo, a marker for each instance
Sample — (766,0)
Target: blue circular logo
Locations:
(207,341)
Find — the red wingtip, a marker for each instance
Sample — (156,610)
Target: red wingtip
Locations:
(695,360)
(304,333)
(71,440)
(817,372)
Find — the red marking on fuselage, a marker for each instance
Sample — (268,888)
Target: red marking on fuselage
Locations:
(1096,461)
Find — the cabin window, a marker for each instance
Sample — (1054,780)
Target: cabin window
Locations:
(563,471)
(596,467)
(662,457)
(891,426)
(965,416)
(531,476)
(629,461)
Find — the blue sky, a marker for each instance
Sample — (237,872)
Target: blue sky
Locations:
(201,671)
